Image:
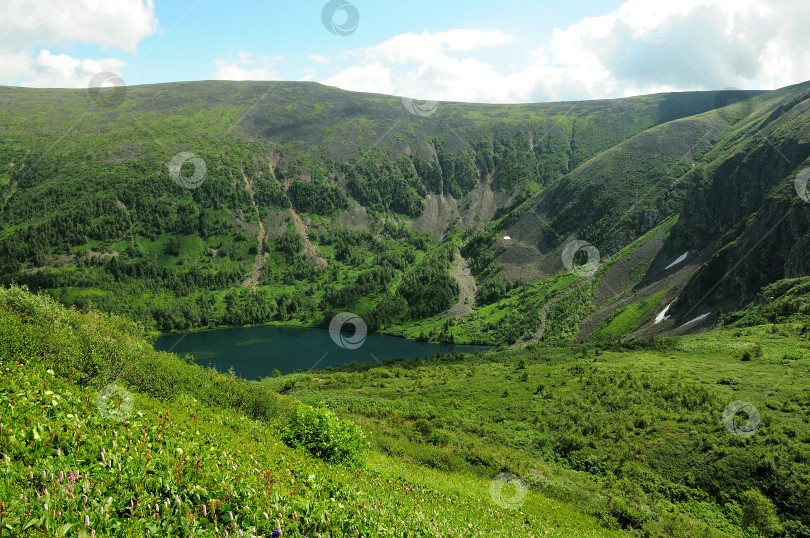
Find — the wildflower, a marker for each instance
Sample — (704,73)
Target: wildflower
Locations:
(276,533)
(93,533)
(84,498)
(46,507)
(102,510)
(61,476)
(86,521)
(231,515)
(31,475)
(205,511)
(103,456)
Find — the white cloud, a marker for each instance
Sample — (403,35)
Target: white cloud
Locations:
(317,58)
(645,46)
(241,67)
(48,70)
(32,28)
(121,24)
(63,71)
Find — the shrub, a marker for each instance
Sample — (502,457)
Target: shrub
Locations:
(326,436)
(759,514)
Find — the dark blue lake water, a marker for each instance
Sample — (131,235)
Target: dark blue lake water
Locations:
(257,351)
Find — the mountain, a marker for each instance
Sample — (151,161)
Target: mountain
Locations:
(201,204)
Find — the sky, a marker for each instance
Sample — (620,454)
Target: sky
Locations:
(507,51)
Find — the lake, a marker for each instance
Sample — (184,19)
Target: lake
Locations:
(256,351)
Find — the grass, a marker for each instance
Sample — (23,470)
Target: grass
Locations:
(198,461)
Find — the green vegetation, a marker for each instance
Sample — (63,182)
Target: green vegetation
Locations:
(194,451)
(632,435)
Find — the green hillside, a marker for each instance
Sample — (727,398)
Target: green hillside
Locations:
(315,200)
(630,440)
(200,453)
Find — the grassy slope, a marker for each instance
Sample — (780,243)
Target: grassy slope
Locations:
(183,454)
(632,437)
(104,191)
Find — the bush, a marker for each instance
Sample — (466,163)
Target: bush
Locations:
(326,436)
(759,514)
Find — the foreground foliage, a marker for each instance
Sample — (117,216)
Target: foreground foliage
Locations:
(194,463)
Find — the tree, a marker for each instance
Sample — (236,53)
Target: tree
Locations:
(173,247)
(759,514)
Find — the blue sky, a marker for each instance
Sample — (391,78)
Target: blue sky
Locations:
(508,51)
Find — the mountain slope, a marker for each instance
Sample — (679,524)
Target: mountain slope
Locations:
(314,200)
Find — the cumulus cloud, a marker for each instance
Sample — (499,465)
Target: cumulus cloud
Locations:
(63,71)
(120,24)
(645,46)
(246,66)
(30,29)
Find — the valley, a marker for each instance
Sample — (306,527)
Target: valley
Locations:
(179,270)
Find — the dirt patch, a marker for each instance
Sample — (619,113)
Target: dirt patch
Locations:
(355,218)
(308,249)
(466,285)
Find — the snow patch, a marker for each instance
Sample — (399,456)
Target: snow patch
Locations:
(681,258)
(700,317)
(663,315)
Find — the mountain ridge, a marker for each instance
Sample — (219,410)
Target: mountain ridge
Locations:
(343,177)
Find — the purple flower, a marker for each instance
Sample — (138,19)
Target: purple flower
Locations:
(61,476)
(276,533)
